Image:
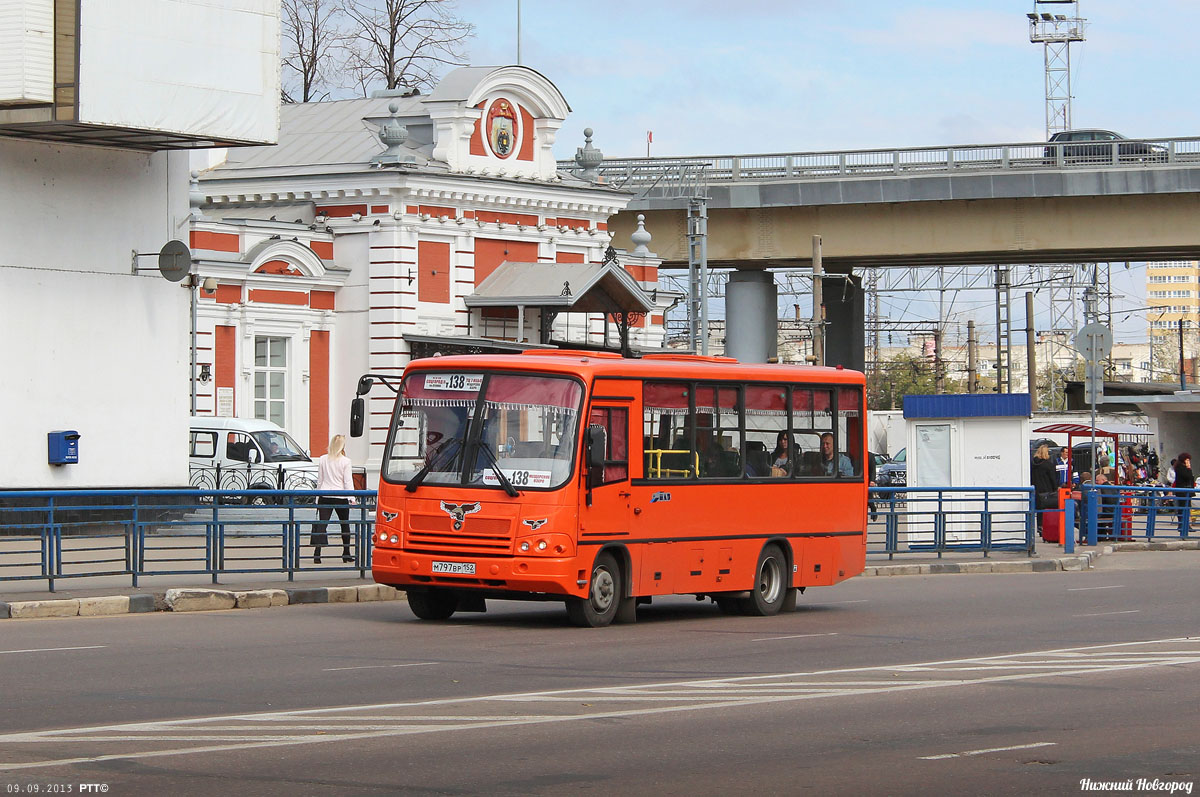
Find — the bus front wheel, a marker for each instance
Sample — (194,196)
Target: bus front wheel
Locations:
(770,584)
(604,594)
(433,604)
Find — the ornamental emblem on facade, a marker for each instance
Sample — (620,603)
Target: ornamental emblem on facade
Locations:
(502,128)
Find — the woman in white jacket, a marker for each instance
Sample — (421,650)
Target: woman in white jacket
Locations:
(333,473)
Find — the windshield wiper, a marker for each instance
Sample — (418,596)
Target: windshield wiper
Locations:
(437,459)
(504,482)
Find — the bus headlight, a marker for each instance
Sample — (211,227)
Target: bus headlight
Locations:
(546,545)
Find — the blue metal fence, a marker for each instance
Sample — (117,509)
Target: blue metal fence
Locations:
(64,534)
(61,534)
(1126,512)
(938,520)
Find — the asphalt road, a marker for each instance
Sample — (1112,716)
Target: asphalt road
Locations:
(967,684)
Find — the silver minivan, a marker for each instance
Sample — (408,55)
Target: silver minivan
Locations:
(246,454)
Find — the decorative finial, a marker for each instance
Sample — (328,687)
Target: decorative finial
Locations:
(196,197)
(393,134)
(641,238)
(589,158)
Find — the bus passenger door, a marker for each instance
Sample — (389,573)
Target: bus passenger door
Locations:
(607,517)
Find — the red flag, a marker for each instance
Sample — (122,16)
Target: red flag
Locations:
(649,136)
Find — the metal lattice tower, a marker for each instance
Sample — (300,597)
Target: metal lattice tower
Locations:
(1055,32)
(1003,330)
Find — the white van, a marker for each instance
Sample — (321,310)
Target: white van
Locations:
(247,454)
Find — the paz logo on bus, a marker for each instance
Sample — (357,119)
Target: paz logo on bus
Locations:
(388,517)
(459,512)
(534,525)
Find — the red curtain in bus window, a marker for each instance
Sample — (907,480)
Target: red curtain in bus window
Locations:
(510,389)
(802,401)
(665,395)
(615,421)
(850,411)
(766,399)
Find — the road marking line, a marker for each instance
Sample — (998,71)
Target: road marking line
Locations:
(793,636)
(48,650)
(380,666)
(1105,614)
(1085,589)
(584,697)
(988,750)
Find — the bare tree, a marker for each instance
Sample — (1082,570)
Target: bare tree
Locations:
(403,43)
(311,39)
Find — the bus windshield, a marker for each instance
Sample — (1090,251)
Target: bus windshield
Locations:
(460,428)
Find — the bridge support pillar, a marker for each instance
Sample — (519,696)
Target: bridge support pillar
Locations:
(751,317)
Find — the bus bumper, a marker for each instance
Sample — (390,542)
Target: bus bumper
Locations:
(519,574)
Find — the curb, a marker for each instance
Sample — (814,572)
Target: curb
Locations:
(194,599)
(1082,561)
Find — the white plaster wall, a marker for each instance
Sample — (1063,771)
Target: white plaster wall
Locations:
(349,349)
(84,344)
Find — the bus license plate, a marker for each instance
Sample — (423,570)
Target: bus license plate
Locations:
(457,568)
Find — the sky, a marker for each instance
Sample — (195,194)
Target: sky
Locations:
(713,77)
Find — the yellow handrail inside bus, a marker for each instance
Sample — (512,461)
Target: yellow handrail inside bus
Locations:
(655,470)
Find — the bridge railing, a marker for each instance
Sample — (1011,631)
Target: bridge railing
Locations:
(662,176)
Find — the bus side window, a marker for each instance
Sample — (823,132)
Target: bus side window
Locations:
(850,429)
(666,424)
(615,421)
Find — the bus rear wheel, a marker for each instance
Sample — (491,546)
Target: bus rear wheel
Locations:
(770,584)
(604,594)
(434,604)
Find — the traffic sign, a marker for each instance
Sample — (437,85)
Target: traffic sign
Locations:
(1094,342)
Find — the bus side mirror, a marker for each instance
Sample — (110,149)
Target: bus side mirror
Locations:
(365,383)
(597,446)
(357,412)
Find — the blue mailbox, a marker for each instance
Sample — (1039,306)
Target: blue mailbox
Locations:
(63,447)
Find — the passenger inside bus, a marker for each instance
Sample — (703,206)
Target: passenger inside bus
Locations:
(829,458)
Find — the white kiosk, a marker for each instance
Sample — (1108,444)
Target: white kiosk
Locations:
(972,440)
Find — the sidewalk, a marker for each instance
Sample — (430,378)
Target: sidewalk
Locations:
(108,595)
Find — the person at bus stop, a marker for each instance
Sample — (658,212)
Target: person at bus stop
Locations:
(830,464)
(1045,481)
(782,457)
(1061,467)
(1185,481)
(334,472)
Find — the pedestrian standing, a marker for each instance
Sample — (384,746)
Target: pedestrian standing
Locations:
(1061,467)
(1185,482)
(1045,482)
(334,472)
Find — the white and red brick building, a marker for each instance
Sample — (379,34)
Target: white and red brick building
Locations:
(334,255)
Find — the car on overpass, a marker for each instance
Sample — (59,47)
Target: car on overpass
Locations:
(1096,146)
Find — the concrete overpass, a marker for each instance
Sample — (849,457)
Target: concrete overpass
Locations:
(1005,203)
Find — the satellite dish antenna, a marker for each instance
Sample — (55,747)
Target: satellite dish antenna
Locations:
(174,260)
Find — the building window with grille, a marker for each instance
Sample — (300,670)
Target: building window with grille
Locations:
(270,379)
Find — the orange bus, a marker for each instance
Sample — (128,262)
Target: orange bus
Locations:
(691,475)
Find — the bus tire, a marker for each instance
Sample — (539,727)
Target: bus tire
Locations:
(434,604)
(770,584)
(599,608)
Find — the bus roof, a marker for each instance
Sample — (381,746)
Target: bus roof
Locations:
(590,365)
